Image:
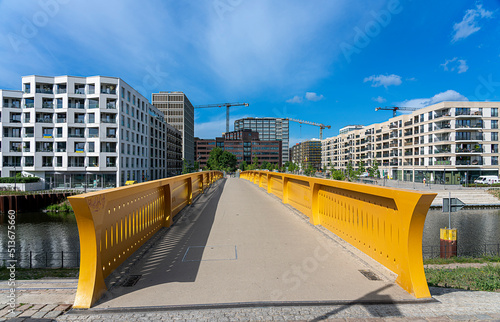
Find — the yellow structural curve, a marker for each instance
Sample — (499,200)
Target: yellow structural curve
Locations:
(385,223)
(114,223)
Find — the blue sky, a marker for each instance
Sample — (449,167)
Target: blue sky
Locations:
(326,61)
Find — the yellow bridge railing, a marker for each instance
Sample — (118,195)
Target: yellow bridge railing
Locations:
(114,223)
(386,224)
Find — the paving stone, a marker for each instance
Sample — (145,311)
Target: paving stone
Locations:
(39,315)
(62,307)
(52,314)
(28,313)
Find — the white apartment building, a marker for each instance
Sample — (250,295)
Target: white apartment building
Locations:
(449,142)
(179,112)
(76,132)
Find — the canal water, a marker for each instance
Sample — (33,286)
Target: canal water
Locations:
(47,235)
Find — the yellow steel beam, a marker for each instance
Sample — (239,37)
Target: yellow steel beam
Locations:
(114,223)
(385,223)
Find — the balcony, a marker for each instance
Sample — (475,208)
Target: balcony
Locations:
(80,91)
(76,165)
(443,162)
(12,105)
(60,120)
(47,164)
(76,105)
(76,135)
(29,105)
(46,149)
(48,105)
(110,164)
(61,91)
(44,120)
(469,162)
(44,90)
(12,164)
(93,105)
(15,120)
(111,106)
(469,150)
(468,113)
(80,120)
(109,121)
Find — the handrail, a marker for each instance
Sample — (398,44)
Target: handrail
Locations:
(114,223)
(385,223)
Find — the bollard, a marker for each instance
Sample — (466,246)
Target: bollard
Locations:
(448,243)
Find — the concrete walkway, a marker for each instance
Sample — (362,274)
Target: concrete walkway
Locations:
(237,244)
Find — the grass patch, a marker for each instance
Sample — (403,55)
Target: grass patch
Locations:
(463,259)
(486,278)
(37,273)
(63,206)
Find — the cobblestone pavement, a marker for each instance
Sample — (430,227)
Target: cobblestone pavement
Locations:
(451,305)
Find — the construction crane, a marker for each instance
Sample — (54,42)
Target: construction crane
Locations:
(396,108)
(321,126)
(227,105)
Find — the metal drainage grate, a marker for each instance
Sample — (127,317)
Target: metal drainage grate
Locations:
(131,280)
(369,275)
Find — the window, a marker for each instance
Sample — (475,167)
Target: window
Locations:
(494,124)
(59,161)
(430,115)
(111,133)
(494,112)
(47,161)
(29,161)
(61,147)
(93,132)
(494,136)
(59,132)
(59,103)
(91,147)
(79,147)
(91,118)
(27,88)
(494,160)
(47,132)
(494,148)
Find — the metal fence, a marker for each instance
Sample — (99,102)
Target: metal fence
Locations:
(32,259)
(478,250)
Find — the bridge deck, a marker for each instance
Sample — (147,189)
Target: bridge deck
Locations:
(236,244)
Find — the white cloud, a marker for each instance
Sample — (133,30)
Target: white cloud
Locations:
(462,67)
(459,64)
(384,80)
(295,99)
(310,96)
(379,99)
(469,23)
(449,95)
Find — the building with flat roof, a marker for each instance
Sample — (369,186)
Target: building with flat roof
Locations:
(269,129)
(448,142)
(307,153)
(179,112)
(78,132)
(244,144)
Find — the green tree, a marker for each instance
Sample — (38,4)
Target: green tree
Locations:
(337,175)
(186,168)
(255,164)
(221,160)
(243,166)
(351,174)
(213,159)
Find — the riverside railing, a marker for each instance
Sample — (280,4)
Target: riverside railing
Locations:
(385,223)
(114,223)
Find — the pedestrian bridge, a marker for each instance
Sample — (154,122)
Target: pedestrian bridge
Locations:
(264,237)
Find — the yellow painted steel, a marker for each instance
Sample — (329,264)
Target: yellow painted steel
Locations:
(448,234)
(385,223)
(114,223)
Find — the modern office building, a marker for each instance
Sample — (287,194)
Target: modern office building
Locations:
(76,132)
(174,151)
(449,142)
(270,129)
(179,112)
(307,153)
(244,144)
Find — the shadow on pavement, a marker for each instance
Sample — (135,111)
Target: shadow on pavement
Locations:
(163,261)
